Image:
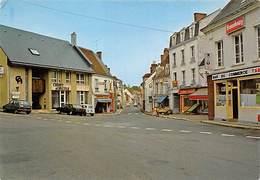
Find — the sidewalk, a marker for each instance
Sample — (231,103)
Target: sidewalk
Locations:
(204,119)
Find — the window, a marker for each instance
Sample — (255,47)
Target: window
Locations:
(105,85)
(193,75)
(81,97)
(220,53)
(175,76)
(182,36)
(182,57)
(150,99)
(191,32)
(250,92)
(174,59)
(68,77)
(96,85)
(239,56)
(80,78)
(220,94)
(161,88)
(34,52)
(55,76)
(258,41)
(183,77)
(192,51)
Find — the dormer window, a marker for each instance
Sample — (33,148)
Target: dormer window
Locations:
(191,32)
(34,52)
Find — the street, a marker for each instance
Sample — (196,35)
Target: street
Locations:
(131,145)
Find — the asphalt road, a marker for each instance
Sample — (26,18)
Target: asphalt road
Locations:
(130,146)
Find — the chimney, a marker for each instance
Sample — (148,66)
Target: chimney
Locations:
(153,68)
(73,39)
(99,54)
(199,16)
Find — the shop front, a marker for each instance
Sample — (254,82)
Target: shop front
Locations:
(237,95)
(185,102)
(60,95)
(103,104)
(200,97)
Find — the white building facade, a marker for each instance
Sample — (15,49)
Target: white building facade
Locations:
(234,49)
(148,88)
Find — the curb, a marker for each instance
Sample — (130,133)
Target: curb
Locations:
(241,126)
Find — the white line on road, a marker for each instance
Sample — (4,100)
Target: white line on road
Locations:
(205,132)
(150,129)
(86,124)
(68,121)
(135,127)
(77,122)
(185,131)
(121,126)
(228,135)
(97,125)
(253,137)
(108,126)
(129,113)
(136,113)
(166,130)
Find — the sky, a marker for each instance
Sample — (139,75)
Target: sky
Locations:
(130,33)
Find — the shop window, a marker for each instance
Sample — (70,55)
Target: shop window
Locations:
(220,53)
(239,54)
(80,78)
(188,102)
(220,94)
(81,97)
(250,93)
(68,77)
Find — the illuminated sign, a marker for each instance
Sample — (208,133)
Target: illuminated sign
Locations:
(235,25)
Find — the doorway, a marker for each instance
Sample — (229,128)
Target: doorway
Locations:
(235,103)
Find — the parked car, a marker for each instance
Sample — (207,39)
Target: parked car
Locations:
(72,109)
(16,106)
(164,110)
(89,109)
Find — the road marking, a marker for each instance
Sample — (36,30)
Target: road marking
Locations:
(253,137)
(135,127)
(205,132)
(136,113)
(60,120)
(166,130)
(97,125)
(129,113)
(77,122)
(150,129)
(68,121)
(228,135)
(185,131)
(38,117)
(108,126)
(86,124)
(45,119)
(121,126)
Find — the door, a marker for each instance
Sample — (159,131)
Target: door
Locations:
(235,103)
(176,103)
(62,98)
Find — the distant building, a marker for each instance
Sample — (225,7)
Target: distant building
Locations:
(45,71)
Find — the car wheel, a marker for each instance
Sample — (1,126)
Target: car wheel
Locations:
(91,114)
(28,112)
(69,113)
(15,111)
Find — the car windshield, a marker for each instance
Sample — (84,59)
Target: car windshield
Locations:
(24,103)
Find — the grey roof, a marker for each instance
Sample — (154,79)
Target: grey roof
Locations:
(231,8)
(54,53)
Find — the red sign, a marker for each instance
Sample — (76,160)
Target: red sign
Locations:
(235,25)
(185,91)
(198,97)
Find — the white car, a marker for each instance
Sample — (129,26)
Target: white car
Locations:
(89,109)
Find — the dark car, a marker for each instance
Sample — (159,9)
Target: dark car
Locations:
(72,109)
(16,106)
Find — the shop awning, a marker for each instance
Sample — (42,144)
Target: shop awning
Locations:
(160,99)
(104,100)
(200,94)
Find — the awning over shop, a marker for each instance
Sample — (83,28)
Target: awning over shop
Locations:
(200,94)
(160,99)
(104,100)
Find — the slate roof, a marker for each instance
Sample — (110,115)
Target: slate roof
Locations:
(54,53)
(97,64)
(231,8)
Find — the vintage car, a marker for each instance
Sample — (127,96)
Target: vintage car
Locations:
(16,106)
(72,109)
(164,110)
(89,109)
